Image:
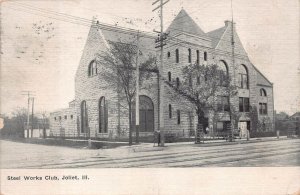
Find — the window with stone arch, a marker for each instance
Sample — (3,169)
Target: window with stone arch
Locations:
(178,117)
(169,76)
(189,55)
(177,82)
(103,115)
(170,111)
(93,69)
(84,117)
(205,56)
(222,65)
(177,55)
(263,92)
(243,77)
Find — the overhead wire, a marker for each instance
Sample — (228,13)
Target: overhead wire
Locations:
(86,22)
(100,23)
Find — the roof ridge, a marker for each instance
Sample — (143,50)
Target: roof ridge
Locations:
(183,22)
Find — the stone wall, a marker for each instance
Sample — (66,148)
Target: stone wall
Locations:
(92,88)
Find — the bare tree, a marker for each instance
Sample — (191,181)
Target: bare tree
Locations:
(200,86)
(19,119)
(119,72)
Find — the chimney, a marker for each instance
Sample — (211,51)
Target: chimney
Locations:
(228,22)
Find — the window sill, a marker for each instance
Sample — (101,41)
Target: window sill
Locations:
(93,76)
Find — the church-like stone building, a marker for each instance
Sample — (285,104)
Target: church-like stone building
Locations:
(97,112)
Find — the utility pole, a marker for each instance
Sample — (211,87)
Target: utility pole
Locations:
(28,94)
(234,70)
(161,72)
(137,99)
(32,116)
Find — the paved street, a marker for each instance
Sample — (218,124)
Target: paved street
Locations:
(285,152)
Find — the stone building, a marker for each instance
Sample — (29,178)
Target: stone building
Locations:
(97,112)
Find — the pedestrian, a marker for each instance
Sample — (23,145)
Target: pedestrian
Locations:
(157,137)
(207,130)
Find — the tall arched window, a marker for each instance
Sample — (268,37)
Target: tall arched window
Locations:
(198,80)
(177,55)
(190,81)
(189,55)
(224,72)
(92,70)
(169,76)
(103,115)
(84,117)
(263,92)
(197,56)
(243,77)
(205,56)
(177,82)
(170,111)
(178,117)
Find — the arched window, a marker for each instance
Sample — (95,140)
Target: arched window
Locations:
(223,72)
(178,117)
(198,80)
(170,111)
(84,117)
(190,55)
(263,92)
(197,55)
(169,76)
(103,115)
(177,55)
(169,54)
(190,81)
(205,56)
(243,77)
(177,82)
(92,70)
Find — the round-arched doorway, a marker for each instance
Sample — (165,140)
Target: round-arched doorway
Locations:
(146,114)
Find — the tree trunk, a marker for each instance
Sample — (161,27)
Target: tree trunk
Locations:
(200,117)
(130,124)
(27,131)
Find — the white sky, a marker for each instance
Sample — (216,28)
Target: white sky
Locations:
(46,62)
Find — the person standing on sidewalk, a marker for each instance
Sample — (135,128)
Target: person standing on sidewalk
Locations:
(157,137)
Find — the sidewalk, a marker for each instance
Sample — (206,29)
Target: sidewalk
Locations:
(147,147)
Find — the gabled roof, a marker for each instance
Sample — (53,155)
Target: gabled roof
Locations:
(216,35)
(222,39)
(146,42)
(183,23)
(295,114)
(261,79)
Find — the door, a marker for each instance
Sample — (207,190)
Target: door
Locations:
(243,129)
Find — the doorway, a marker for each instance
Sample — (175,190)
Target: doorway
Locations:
(146,114)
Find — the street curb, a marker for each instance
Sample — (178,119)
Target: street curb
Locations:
(241,142)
